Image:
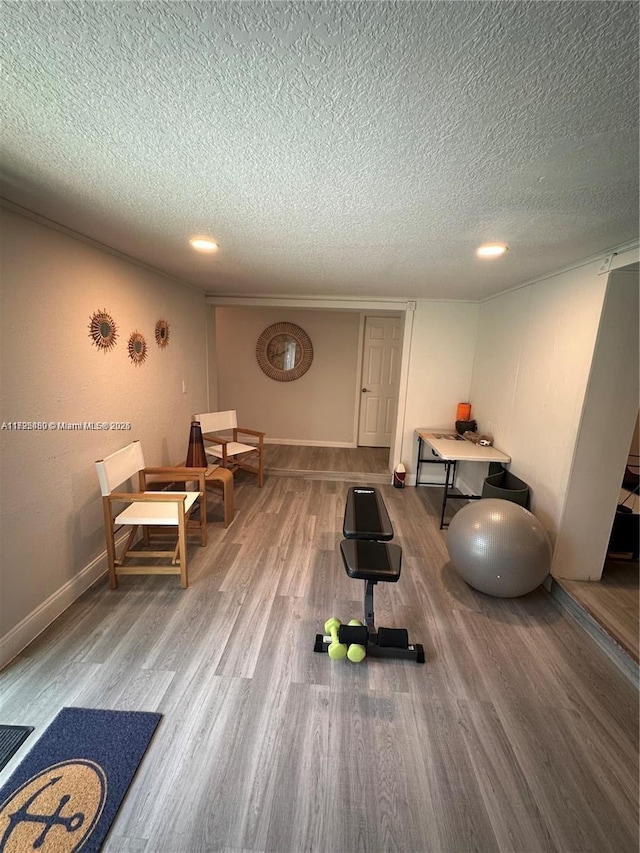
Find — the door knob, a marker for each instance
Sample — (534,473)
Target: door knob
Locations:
(366,390)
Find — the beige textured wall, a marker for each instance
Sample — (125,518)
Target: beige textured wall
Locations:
(319,406)
(52,530)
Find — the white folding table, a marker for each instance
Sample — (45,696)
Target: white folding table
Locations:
(449,448)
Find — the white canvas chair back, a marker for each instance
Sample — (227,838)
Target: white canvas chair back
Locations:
(119,466)
(217,421)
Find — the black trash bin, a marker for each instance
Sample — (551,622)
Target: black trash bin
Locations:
(625,534)
(507,486)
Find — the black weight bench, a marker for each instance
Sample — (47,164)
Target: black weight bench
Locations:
(369,556)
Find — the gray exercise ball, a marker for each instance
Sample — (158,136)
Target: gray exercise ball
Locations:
(499,547)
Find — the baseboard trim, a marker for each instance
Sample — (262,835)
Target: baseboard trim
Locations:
(305,442)
(26,631)
(341,476)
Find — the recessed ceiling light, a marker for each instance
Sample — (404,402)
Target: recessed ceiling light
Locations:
(491,250)
(203,244)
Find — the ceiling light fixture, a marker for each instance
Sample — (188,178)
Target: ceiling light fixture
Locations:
(204,244)
(491,250)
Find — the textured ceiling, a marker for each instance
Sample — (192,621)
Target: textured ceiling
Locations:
(341,148)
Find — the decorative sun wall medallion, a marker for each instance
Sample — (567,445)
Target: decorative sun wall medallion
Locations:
(137,348)
(102,330)
(162,333)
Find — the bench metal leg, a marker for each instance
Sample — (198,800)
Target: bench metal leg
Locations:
(368,605)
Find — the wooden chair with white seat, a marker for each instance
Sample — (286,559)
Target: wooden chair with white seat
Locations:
(229,452)
(153,511)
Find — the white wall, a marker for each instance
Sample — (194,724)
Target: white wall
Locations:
(52,536)
(532,371)
(604,437)
(530,375)
(443,341)
(320,406)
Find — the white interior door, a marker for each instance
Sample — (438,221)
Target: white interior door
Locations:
(380,381)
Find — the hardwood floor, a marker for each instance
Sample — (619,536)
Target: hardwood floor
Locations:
(517,734)
(286,460)
(613,602)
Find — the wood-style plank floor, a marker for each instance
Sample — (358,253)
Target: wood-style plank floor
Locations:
(613,602)
(517,734)
(287,460)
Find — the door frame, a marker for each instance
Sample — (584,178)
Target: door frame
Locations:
(406,312)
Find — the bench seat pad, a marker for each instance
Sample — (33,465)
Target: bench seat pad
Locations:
(365,515)
(371,561)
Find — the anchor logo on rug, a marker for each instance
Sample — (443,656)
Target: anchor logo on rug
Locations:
(56,810)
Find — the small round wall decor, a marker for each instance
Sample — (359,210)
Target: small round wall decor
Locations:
(137,348)
(102,330)
(162,333)
(284,352)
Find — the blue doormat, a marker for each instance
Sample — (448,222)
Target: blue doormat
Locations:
(64,795)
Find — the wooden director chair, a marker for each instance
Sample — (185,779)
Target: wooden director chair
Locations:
(229,452)
(156,512)
(221,480)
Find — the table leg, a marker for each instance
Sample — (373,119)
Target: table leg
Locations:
(449,480)
(444,492)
